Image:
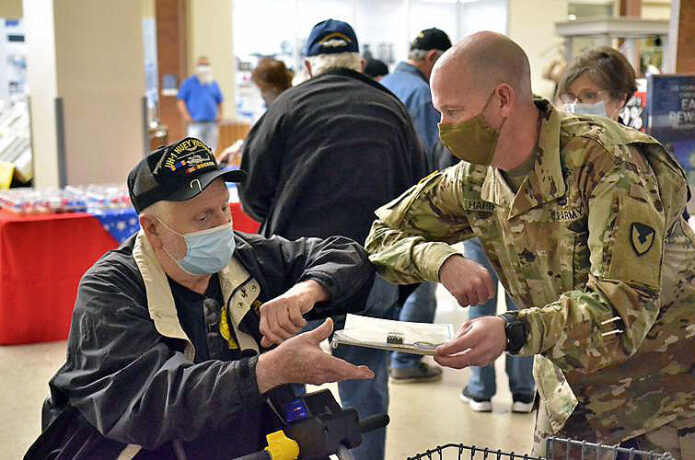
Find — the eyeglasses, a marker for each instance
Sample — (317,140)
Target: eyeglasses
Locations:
(585,97)
(215,342)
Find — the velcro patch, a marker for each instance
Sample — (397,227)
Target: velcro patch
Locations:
(470,204)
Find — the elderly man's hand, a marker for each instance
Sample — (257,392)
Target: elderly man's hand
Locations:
(282,317)
(301,360)
(469,282)
(478,343)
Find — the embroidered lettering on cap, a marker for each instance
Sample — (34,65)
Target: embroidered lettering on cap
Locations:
(335,39)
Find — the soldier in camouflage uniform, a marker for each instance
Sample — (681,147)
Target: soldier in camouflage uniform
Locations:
(590,241)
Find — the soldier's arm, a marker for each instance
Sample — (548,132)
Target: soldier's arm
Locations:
(411,238)
(607,322)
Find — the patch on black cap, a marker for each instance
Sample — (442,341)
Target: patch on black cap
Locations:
(186,157)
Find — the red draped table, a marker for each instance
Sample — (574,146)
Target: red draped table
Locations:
(42,258)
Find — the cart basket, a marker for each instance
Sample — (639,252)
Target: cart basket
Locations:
(557,448)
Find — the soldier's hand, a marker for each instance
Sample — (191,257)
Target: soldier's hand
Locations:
(478,343)
(301,360)
(468,281)
(283,317)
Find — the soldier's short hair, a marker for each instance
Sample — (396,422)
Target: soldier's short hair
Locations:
(607,68)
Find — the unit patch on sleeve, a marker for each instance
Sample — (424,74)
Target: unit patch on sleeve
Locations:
(641,237)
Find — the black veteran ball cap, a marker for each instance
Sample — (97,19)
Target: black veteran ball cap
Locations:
(431,39)
(177,172)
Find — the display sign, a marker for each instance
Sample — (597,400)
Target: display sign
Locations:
(671,107)
(170,85)
(671,117)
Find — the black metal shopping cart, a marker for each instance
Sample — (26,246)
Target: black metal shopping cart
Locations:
(557,448)
(316,427)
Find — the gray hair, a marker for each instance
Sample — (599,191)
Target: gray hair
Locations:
(323,62)
(418,55)
(156,209)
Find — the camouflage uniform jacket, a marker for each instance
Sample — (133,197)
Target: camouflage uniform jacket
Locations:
(593,247)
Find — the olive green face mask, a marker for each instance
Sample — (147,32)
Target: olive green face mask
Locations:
(472,140)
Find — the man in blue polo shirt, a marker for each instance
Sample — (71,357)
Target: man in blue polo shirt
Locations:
(200,103)
(410,83)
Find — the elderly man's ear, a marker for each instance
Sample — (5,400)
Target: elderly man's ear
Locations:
(150,226)
(432,56)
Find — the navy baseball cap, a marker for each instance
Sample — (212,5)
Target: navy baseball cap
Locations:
(331,37)
(176,172)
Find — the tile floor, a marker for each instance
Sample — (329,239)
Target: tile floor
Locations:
(422,416)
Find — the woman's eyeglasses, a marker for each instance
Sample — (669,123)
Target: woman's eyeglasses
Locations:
(585,97)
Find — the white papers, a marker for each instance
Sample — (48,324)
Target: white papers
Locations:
(384,334)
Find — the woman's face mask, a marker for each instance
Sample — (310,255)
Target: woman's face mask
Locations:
(207,251)
(586,97)
(472,140)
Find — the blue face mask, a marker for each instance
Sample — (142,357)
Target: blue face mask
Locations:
(599,108)
(207,251)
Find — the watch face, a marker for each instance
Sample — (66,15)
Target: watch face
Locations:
(516,335)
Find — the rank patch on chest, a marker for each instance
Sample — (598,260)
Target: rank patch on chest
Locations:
(641,237)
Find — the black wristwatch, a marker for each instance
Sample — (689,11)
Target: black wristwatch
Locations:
(515,329)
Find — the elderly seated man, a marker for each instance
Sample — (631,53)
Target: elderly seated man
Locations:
(167,352)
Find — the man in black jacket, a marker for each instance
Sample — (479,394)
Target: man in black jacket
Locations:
(321,160)
(167,350)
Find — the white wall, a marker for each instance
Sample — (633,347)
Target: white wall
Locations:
(99,62)
(656,9)
(380,23)
(147,9)
(42,89)
(532,26)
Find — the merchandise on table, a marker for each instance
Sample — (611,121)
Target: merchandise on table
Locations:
(94,199)
(15,138)
(91,198)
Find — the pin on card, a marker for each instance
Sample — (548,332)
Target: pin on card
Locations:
(394,338)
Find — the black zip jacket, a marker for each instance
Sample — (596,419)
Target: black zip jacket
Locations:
(326,155)
(124,383)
